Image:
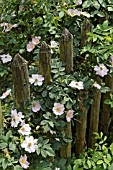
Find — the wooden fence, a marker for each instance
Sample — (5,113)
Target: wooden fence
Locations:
(22,92)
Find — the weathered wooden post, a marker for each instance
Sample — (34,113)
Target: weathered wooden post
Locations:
(45,62)
(1,120)
(86,27)
(66,50)
(81,124)
(21,81)
(106,109)
(66,55)
(94,117)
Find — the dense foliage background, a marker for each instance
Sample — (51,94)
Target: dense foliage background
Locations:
(24,25)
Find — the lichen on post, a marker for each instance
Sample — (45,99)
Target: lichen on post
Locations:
(66,56)
(1,120)
(45,62)
(21,81)
(66,50)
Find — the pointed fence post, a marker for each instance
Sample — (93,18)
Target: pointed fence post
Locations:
(66,50)
(66,56)
(21,81)
(45,62)
(94,117)
(106,109)
(1,119)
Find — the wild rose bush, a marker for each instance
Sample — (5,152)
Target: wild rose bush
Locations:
(32,138)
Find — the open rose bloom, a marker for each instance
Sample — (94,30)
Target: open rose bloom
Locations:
(30,46)
(23,161)
(29,144)
(74,12)
(5,58)
(36,79)
(36,106)
(16,118)
(25,130)
(97,85)
(76,85)
(36,40)
(69,115)
(58,109)
(101,70)
(5,94)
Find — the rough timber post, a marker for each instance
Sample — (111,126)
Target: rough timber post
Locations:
(94,117)
(45,62)
(66,55)
(81,124)
(86,27)
(1,120)
(106,109)
(66,50)
(21,81)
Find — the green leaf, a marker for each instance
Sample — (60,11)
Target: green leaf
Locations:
(107,101)
(61,14)
(38,150)
(12,146)
(100,14)
(18,167)
(45,141)
(44,122)
(8,134)
(105,24)
(3,145)
(46,128)
(110,8)
(50,152)
(96,4)
(51,123)
(44,153)
(106,160)
(89,163)
(69,167)
(99,162)
(44,93)
(36,51)
(102,3)
(110,167)
(87,4)
(4,164)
